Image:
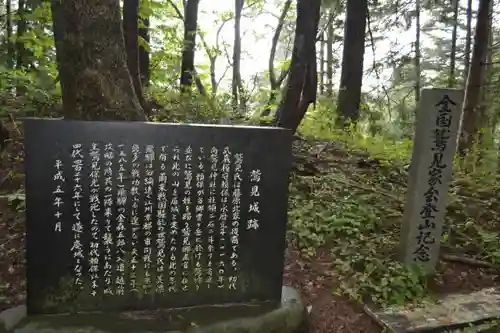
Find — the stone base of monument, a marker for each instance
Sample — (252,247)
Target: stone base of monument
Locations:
(450,313)
(289,317)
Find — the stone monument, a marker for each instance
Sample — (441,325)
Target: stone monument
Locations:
(434,146)
(160,221)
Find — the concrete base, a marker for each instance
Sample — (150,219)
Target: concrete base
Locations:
(289,317)
(454,311)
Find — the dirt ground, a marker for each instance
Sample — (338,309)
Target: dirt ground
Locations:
(332,314)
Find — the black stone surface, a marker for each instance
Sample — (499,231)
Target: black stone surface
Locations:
(50,264)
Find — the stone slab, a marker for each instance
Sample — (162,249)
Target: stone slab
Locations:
(126,216)
(288,317)
(451,312)
(434,145)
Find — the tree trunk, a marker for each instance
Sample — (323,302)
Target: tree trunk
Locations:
(190,27)
(417,52)
(351,78)
(95,81)
(273,80)
(144,53)
(471,116)
(485,107)
(452,76)
(8,33)
(468,41)
(21,30)
(131,37)
(329,56)
(322,64)
(21,59)
(199,84)
(236,82)
(302,81)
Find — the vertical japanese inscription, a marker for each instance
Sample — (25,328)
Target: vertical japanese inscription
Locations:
(121,202)
(161,216)
(254,207)
(212,211)
(77,248)
(235,225)
(199,211)
(186,218)
(134,215)
(428,211)
(58,192)
(95,208)
(107,241)
(149,157)
(156,219)
(174,223)
(223,215)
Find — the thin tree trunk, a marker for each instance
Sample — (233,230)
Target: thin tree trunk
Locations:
(8,33)
(329,57)
(417,51)
(468,41)
(144,54)
(131,36)
(190,27)
(485,114)
(199,84)
(322,64)
(95,81)
(452,76)
(273,80)
(236,83)
(21,59)
(351,78)
(471,116)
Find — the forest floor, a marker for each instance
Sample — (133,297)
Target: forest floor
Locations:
(344,216)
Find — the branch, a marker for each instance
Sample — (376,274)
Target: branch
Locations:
(469,261)
(330,20)
(274,45)
(377,73)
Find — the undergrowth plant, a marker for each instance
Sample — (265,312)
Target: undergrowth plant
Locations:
(356,214)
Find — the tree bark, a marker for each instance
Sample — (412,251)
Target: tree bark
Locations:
(329,55)
(471,114)
(199,84)
(452,76)
(417,52)
(21,58)
(21,30)
(190,27)
(322,61)
(131,37)
(302,82)
(274,81)
(144,73)
(95,81)
(236,82)
(468,41)
(351,78)
(8,33)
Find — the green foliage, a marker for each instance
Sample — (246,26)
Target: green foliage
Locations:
(334,216)
(355,214)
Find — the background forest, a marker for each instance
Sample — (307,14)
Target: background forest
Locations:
(345,75)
